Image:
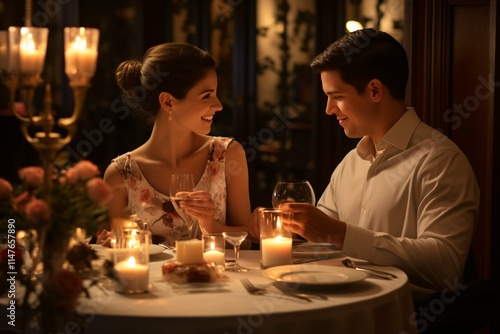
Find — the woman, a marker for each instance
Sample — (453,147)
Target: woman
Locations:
(176,83)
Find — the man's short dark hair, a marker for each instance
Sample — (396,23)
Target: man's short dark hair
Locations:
(367,54)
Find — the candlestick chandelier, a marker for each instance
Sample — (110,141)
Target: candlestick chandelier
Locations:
(22,57)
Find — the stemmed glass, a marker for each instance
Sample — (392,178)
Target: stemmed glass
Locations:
(235,239)
(180,186)
(293,191)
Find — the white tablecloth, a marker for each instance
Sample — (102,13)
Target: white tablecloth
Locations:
(369,306)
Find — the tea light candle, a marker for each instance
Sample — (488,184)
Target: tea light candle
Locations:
(189,251)
(214,255)
(276,251)
(134,276)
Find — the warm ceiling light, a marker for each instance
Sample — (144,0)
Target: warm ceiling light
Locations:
(353,26)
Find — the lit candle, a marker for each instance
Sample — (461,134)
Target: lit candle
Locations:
(134,276)
(31,59)
(276,251)
(117,254)
(189,251)
(214,255)
(80,60)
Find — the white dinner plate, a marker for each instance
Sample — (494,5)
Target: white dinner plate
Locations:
(313,249)
(309,275)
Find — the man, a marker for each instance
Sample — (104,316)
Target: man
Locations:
(406,196)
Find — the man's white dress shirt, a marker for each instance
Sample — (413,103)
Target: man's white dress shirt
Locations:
(412,205)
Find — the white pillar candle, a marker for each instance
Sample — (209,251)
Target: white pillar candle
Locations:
(189,251)
(80,62)
(134,276)
(31,61)
(214,256)
(32,46)
(276,251)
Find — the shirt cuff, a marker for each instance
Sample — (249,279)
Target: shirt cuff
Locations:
(359,242)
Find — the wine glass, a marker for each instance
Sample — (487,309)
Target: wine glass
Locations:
(180,186)
(235,239)
(293,191)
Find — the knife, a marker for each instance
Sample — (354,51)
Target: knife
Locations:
(291,293)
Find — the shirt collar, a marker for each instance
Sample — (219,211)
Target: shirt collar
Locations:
(398,136)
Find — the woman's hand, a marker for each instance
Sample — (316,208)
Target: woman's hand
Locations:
(253,225)
(200,205)
(104,238)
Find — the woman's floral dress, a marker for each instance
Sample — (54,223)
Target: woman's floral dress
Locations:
(157,211)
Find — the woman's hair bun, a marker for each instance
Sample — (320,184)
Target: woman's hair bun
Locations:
(128,77)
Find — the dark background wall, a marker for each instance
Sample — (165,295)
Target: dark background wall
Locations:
(451,44)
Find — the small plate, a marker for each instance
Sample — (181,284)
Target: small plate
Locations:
(313,275)
(155,249)
(313,249)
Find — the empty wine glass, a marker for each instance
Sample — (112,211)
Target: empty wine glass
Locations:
(180,187)
(235,239)
(293,191)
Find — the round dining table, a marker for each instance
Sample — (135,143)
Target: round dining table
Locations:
(370,305)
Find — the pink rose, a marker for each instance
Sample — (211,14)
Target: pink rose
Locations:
(37,211)
(72,175)
(5,188)
(83,170)
(31,176)
(99,191)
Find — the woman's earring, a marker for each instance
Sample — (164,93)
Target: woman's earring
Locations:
(170,115)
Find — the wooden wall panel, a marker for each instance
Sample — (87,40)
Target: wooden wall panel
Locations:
(449,47)
(470,100)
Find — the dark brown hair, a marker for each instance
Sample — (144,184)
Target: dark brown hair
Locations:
(171,67)
(367,54)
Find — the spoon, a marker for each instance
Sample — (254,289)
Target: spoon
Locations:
(377,273)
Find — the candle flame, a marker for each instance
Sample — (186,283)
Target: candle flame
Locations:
(131,262)
(79,44)
(212,245)
(278,223)
(132,243)
(278,238)
(27,43)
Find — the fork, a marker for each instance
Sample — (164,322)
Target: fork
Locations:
(252,289)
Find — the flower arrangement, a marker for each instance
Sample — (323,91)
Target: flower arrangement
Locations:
(44,250)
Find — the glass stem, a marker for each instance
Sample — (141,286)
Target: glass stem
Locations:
(236,256)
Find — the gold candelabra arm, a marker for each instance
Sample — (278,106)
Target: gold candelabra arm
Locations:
(79,94)
(27,91)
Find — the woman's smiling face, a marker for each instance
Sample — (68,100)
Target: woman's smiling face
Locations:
(197,109)
(353,110)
